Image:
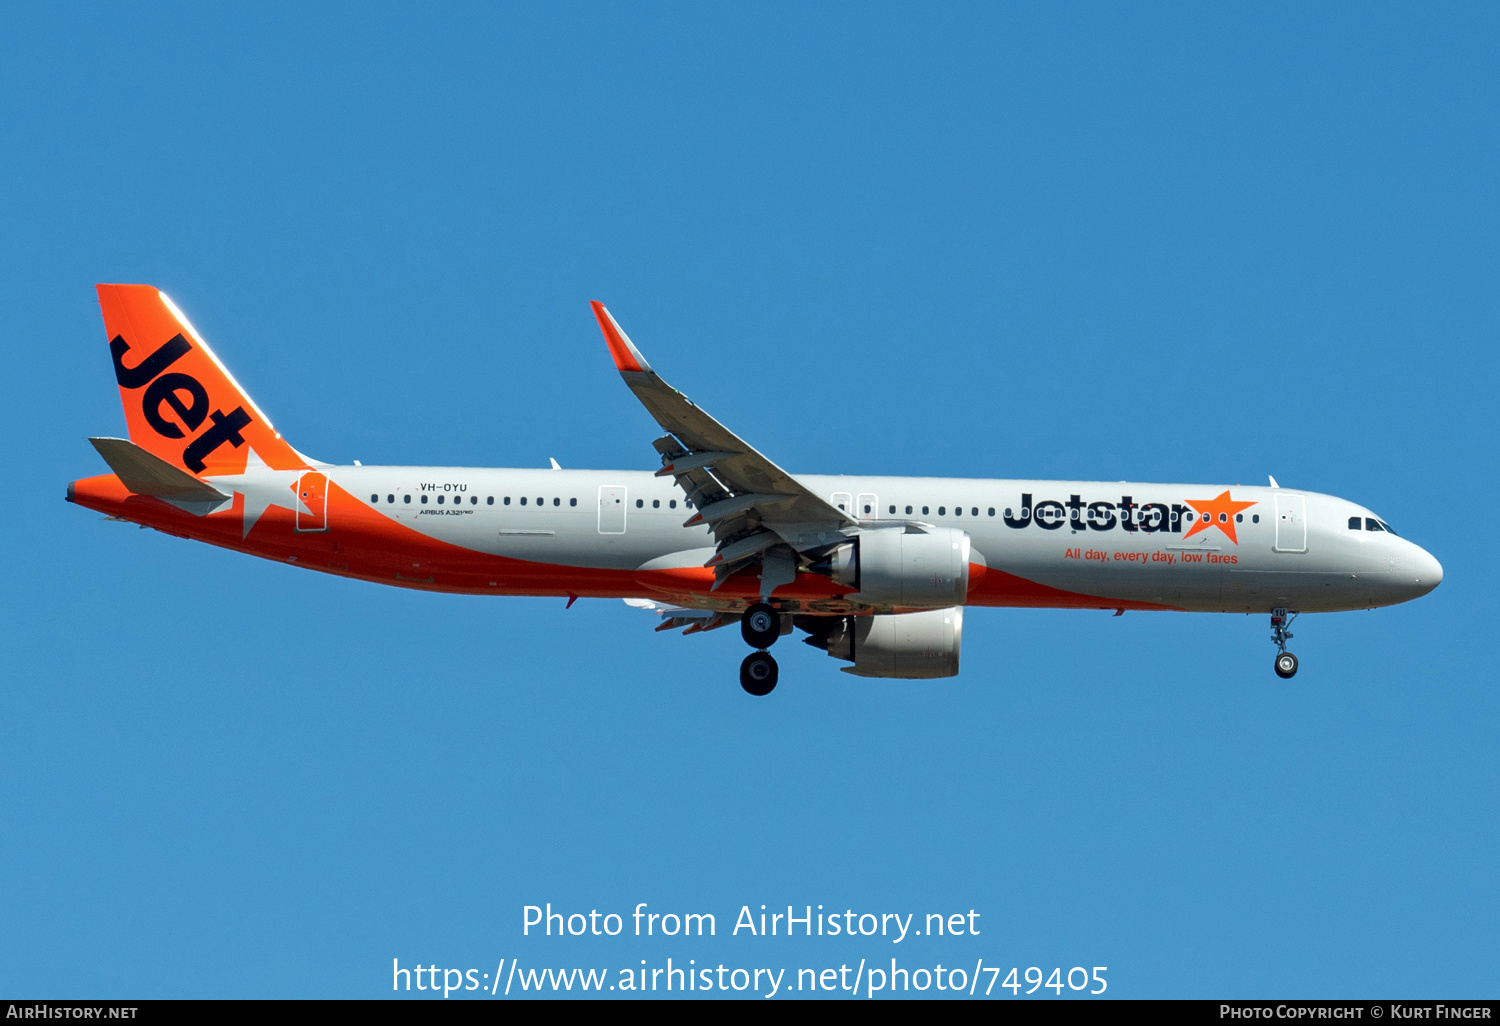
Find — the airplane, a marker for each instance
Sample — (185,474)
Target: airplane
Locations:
(876,571)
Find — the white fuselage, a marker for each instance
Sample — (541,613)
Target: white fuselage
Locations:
(1290,548)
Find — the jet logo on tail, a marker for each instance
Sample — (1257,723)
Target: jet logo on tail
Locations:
(179,389)
(167,390)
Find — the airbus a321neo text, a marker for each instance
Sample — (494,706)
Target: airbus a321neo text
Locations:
(876,570)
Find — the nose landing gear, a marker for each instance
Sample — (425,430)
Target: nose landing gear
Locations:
(1286,663)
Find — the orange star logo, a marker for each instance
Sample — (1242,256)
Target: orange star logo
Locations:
(1218,513)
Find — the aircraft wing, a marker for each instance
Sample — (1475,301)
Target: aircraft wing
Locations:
(674,617)
(735,490)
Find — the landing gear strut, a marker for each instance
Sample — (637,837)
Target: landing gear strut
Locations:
(758,673)
(1286,663)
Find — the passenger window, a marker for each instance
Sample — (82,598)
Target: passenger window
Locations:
(440,500)
(424,500)
(958,511)
(507,500)
(572,502)
(974,512)
(1371,524)
(1188,517)
(640,503)
(556,502)
(893,509)
(942,511)
(1354,523)
(1239,518)
(1255,518)
(541,501)
(406,498)
(374,498)
(1223,518)
(656,504)
(474,500)
(490,501)
(867,509)
(908,511)
(992,511)
(924,511)
(390,498)
(671,504)
(841,506)
(523,500)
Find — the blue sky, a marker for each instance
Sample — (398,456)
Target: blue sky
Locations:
(1153,243)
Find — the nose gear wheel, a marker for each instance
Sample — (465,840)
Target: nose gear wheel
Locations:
(1281,622)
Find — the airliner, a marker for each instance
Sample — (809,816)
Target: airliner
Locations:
(876,571)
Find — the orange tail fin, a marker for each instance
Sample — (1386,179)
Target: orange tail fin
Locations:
(181,404)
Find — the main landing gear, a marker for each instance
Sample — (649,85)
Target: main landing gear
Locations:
(760,627)
(1286,663)
(758,673)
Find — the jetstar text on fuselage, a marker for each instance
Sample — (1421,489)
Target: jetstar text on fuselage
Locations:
(1129,515)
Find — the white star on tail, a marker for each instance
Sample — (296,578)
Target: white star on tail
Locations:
(262,488)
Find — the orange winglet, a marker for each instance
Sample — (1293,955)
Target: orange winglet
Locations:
(625,355)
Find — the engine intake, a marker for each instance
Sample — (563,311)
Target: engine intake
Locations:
(908,646)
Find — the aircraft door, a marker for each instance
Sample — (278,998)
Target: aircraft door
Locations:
(312,502)
(843,501)
(867,507)
(611,509)
(1291,523)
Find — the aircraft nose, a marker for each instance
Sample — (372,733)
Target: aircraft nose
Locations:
(1429,572)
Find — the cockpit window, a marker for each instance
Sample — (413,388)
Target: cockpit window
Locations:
(1388,527)
(1354,523)
(1371,524)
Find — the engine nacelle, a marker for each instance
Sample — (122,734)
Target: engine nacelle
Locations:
(910,646)
(910,567)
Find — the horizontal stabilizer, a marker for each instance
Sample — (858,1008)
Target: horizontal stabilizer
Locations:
(145,474)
